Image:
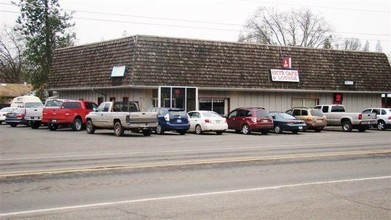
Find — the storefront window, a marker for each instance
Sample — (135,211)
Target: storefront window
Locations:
(217,105)
(178,97)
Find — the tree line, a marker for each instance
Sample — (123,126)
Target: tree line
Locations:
(26,50)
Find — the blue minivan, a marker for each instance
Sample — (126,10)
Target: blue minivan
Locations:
(171,119)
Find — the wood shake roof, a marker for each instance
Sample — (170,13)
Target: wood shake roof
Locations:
(160,61)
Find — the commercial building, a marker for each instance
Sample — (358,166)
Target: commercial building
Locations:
(220,76)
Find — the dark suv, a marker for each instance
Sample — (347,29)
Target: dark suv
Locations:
(246,120)
(171,119)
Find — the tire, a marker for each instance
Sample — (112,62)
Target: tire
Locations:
(295,132)
(35,124)
(182,132)
(198,129)
(147,133)
(13,125)
(52,127)
(381,126)
(219,132)
(278,129)
(118,129)
(246,129)
(265,132)
(90,127)
(347,126)
(159,130)
(318,129)
(362,129)
(77,124)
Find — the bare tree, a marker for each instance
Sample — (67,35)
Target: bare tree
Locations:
(351,44)
(297,28)
(11,49)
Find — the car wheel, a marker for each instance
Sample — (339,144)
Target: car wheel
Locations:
(219,132)
(295,132)
(278,129)
(318,129)
(35,124)
(13,125)
(265,132)
(118,129)
(246,129)
(147,132)
(77,124)
(159,130)
(52,127)
(347,126)
(182,132)
(198,129)
(381,126)
(90,127)
(362,129)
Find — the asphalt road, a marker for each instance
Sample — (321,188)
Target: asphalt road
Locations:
(73,175)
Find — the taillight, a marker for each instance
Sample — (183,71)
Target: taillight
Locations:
(389,117)
(21,116)
(207,121)
(359,116)
(167,117)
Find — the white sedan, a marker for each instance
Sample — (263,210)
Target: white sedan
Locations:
(3,113)
(205,121)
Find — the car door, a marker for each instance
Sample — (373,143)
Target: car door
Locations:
(232,120)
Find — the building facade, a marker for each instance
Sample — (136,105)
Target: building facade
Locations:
(219,76)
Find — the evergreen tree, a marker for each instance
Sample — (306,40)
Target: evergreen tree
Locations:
(379,47)
(45,28)
(366,46)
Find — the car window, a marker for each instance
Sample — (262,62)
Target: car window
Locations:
(249,114)
(383,112)
(53,103)
(376,111)
(316,112)
(367,111)
(325,109)
(178,113)
(33,104)
(304,112)
(211,115)
(286,116)
(262,113)
(90,105)
(296,112)
(71,105)
(289,111)
(233,114)
(241,113)
(337,108)
(194,115)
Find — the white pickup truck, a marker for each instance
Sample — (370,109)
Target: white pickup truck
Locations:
(121,116)
(337,116)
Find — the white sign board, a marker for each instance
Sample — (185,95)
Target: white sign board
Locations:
(118,71)
(279,75)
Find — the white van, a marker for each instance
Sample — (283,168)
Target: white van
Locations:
(26,101)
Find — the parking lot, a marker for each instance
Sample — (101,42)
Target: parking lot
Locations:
(69,174)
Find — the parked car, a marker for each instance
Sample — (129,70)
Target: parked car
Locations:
(286,122)
(171,119)
(207,121)
(314,118)
(383,116)
(3,113)
(66,112)
(121,116)
(337,116)
(247,120)
(16,117)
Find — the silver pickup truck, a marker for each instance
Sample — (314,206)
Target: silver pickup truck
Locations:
(337,116)
(121,116)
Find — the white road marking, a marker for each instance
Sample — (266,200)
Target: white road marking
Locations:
(95,205)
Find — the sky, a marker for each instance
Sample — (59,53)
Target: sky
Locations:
(220,20)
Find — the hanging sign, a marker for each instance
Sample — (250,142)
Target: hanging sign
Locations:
(279,75)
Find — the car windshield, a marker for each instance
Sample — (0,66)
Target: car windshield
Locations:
(177,113)
(53,103)
(316,112)
(286,116)
(33,104)
(211,115)
(6,109)
(262,114)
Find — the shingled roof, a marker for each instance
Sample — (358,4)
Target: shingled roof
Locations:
(159,61)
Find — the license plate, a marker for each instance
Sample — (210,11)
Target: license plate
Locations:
(54,121)
(217,122)
(179,120)
(301,128)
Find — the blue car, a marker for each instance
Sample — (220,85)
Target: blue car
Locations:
(285,122)
(171,119)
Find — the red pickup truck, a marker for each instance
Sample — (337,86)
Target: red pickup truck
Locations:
(66,112)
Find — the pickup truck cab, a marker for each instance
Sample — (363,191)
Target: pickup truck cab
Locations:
(121,116)
(66,112)
(337,116)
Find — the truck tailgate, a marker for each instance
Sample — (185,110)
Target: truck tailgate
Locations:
(142,117)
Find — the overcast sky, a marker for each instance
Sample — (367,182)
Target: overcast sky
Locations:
(221,20)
